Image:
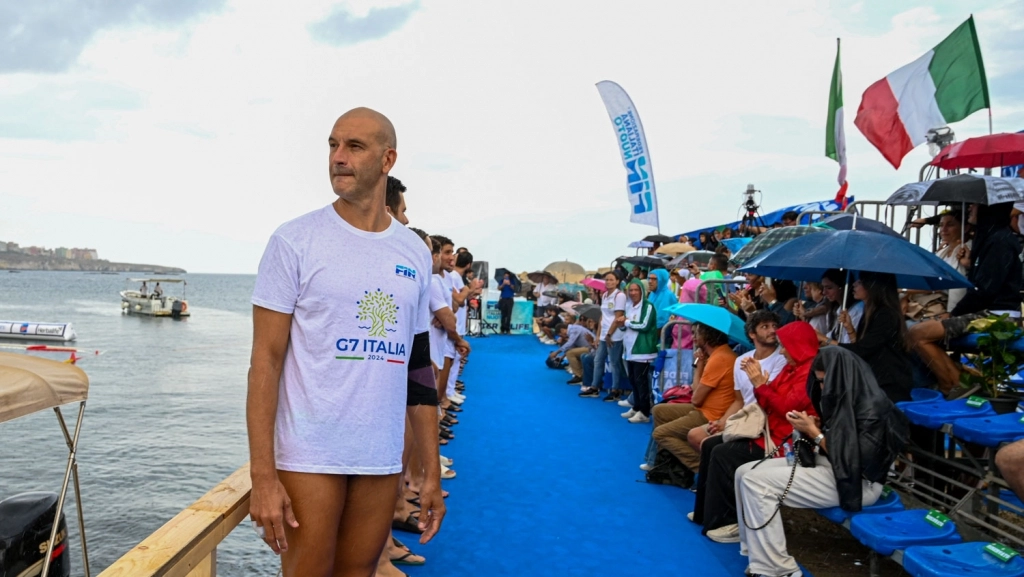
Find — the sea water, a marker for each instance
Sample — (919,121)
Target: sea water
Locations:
(165,419)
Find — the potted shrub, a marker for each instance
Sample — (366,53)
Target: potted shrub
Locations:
(995,362)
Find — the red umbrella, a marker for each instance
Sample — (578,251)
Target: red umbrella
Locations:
(991,151)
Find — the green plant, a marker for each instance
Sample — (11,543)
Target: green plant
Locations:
(996,361)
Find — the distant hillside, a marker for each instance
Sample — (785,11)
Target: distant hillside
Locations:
(17,261)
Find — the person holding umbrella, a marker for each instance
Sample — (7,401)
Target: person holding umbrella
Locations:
(994,268)
(880,337)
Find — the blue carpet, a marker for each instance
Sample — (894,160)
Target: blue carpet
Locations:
(549,483)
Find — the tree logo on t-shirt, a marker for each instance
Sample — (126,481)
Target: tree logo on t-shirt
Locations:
(379,310)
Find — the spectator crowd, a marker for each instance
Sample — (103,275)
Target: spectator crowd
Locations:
(815,389)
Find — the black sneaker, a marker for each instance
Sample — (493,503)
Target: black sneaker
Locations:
(612,397)
(590,393)
(574,381)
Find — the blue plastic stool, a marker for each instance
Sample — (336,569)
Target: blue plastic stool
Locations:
(964,560)
(887,532)
(934,414)
(990,431)
(888,504)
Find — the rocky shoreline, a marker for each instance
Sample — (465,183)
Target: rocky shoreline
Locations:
(15,261)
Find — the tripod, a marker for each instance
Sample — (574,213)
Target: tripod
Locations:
(751,219)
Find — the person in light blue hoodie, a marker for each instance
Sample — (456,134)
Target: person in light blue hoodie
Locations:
(660,294)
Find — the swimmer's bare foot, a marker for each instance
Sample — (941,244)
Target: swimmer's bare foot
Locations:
(384,566)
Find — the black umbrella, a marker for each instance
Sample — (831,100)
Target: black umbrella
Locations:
(592,312)
(649,261)
(500,273)
(962,188)
(659,238)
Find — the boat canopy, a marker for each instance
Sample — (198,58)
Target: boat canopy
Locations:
(29,384)
(156,280)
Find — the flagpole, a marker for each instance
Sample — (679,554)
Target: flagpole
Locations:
(990,121)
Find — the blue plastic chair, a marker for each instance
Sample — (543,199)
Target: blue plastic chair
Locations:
(935,414)
(887,532)
(923,394)
(990,431)
(888,504)
(963,560)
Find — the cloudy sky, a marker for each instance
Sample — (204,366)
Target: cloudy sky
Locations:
(183,132)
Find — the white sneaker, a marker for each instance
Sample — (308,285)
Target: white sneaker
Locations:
(639,418)
(455,400)
(690,516)
(727,534)
(624,403)
(628,414)
(445,461)
(646,467)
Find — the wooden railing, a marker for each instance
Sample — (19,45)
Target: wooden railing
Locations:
(186,546)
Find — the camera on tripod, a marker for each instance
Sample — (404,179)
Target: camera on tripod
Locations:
(751,224)
(749,203)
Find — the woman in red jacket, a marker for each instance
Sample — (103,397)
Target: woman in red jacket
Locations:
(787,392)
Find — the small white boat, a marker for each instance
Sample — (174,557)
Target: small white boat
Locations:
(33,331)
(150,300)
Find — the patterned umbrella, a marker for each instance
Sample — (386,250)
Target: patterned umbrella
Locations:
(772,238)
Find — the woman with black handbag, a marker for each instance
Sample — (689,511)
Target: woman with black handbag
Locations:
(858,436)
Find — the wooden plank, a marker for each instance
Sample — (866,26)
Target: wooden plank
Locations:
(183,544)
(207,567)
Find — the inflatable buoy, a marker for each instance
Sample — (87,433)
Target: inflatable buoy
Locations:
(184,306)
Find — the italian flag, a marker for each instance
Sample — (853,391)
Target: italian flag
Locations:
(835,136)
(945,85)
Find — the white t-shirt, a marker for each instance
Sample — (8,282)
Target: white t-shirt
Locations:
(357,299)
(446,344)
(772,364)
(542,299)
(615,301)
(460,315)
(438,336)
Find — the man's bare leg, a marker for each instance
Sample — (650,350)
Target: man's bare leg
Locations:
(1010,460)
(365,524)
(442,382)
(318,502)
(925,337)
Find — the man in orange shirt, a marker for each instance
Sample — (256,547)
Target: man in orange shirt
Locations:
(713,393)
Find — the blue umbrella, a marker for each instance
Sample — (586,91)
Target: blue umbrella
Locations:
(849,222)
(718,318)
(735,244)
(808,257)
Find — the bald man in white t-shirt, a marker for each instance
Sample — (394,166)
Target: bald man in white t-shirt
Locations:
(340,358)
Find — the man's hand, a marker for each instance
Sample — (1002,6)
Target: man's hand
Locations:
(477,285)
(270,508)
(462,347)
(432,509)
